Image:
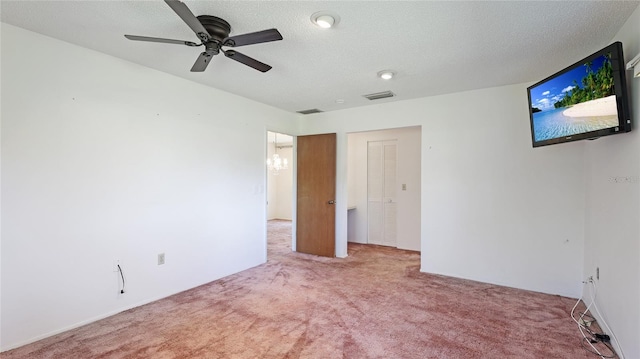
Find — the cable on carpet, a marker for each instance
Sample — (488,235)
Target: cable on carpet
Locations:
(594,337)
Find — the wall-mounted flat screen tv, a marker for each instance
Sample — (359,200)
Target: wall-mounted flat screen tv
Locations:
(584,101)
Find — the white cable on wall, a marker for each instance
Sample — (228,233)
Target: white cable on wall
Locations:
(610,332)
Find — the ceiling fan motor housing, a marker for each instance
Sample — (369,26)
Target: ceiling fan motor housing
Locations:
(218,28)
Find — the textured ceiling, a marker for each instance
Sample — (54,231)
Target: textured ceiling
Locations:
(435,47)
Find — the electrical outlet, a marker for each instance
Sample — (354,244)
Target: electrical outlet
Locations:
(161,259)
(585,323)
(404,186)
(598,273)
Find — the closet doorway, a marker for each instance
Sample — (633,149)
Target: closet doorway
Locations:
(383,187)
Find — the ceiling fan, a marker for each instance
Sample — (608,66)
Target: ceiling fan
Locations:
(213,33)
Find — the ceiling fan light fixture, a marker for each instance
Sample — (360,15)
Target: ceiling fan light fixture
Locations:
(325,19)
(386,74)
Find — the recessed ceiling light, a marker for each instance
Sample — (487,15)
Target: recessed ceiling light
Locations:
(339,100)
(325,19)
(386,74)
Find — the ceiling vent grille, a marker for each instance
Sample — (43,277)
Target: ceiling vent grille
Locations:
(308,112)
(379,95)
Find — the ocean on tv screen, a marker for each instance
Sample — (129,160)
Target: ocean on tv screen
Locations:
(580,118)
(576,101)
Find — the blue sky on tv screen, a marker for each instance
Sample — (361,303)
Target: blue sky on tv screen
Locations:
(547,93)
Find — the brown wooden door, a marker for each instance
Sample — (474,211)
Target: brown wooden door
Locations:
(316,214)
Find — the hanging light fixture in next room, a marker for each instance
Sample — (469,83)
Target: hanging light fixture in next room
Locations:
(276,163)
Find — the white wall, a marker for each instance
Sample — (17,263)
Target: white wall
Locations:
(284,186)
(493,208)
(612,232)
(272,189)
(408,172)
(0,193)
(104,159)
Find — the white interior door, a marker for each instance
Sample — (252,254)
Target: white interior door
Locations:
(382,190)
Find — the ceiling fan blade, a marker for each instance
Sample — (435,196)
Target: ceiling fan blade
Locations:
(158,39)
(242,58)
(187,16)
(202,62)
(253,38)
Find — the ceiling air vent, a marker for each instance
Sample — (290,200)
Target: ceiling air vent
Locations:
(308,112)
(379,95)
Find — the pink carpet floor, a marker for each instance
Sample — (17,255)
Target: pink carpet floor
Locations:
(373,304)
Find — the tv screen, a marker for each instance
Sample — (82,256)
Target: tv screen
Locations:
(584,101)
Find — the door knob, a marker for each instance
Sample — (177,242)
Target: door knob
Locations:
(332,202)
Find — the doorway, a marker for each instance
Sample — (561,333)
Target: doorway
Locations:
(384,198)
(279,167)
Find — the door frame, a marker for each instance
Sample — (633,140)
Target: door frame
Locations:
(416,193)
(341,194)
(294,187)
